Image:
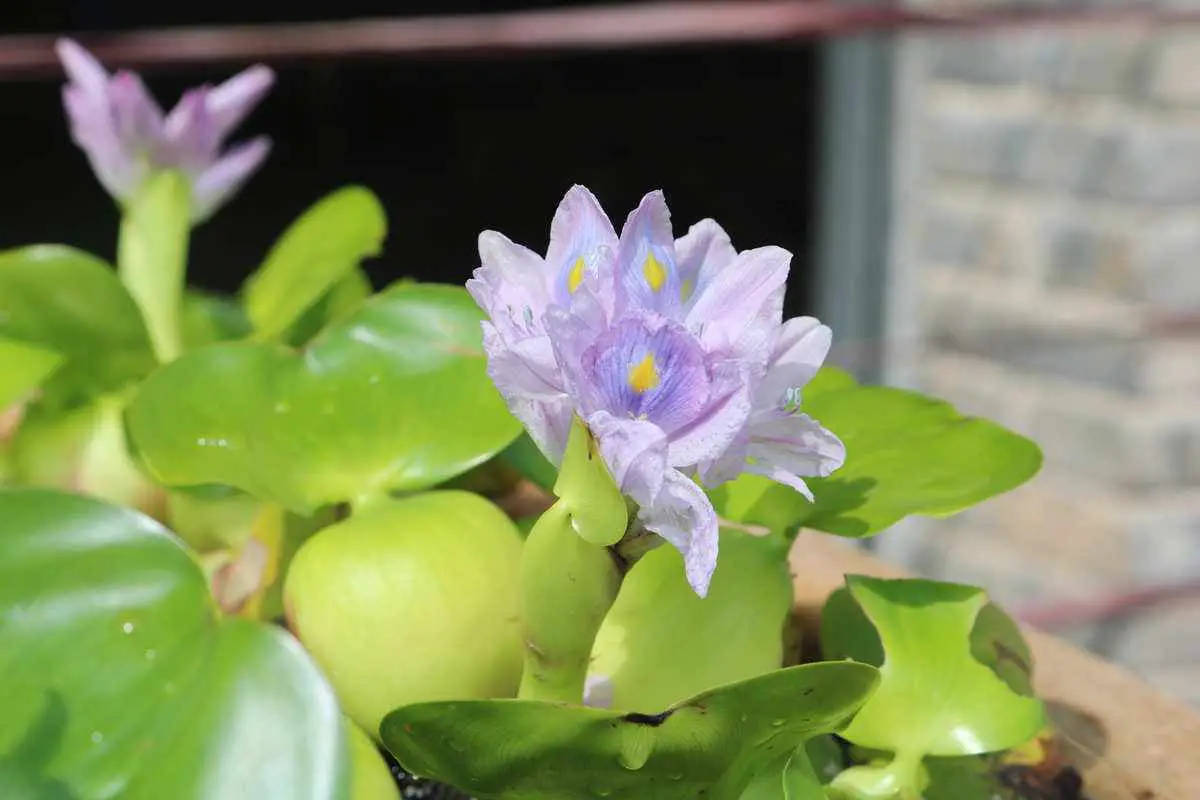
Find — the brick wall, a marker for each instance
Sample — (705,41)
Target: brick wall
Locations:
(1048,224)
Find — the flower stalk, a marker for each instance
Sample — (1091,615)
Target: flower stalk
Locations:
(152,256)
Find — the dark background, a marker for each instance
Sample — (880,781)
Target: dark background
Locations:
(451,145)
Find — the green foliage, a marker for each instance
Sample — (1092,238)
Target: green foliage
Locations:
(375,403)
(320,249)
(910,454)
(905,454)
(525,457)
(25,366)
(710,746)
(71,303)
(935,698)
(118,677)
(661,644)
(211,318)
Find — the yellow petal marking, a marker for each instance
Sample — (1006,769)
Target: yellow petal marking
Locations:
(654,272)
(575,276)
(643,376)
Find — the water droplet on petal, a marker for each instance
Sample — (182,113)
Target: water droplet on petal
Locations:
(778,723)
(97,737)
(127,627)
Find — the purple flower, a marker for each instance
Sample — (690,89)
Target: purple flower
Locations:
(126,137)
(673,352)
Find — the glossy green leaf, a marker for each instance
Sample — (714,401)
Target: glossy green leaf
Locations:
(935,698)
(828,379)
(656,646)
(23,367)
(710,746)
(909,454)
(118,678)
(342,299)
(71,302)
(791,777)
(588,492)
(396,396)
(211,318)
(320,248)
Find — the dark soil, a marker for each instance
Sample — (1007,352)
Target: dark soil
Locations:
(413,788)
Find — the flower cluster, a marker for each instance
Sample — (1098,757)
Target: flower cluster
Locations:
(672,351)
(126,136)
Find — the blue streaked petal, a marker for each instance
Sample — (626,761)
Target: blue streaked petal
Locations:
(579,231)
(217,183)
(234,99)
(511,285)
(646,259)
(700,254)
(525,366)
(137,118)
(739,308)
(648,367)
(684,516)
(800,348)
(83,69)
(92,130)
(723,418)
(190,141)
(790,447)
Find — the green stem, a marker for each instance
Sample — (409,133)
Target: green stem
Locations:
(152,256)
(568,586)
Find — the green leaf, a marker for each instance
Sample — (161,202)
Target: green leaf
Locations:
(909,454)
(211,318)
(656,646)
(340,301)
(120,679)
(754,500)
(935,697)
(23,367)
(791,777)
(525,457)
(70,302)
(396,397)
(828,379)
(588,492)
(710,746)
(325,243)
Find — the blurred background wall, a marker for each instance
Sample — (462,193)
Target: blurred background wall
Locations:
(1047,261)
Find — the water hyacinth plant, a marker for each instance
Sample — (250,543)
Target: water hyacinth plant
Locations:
(527,538)
(674,354)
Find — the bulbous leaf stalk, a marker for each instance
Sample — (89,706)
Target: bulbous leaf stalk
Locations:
(569,574)
(567,587)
